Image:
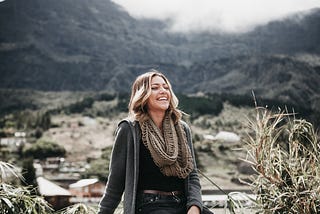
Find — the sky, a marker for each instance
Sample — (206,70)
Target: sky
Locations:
(233,16)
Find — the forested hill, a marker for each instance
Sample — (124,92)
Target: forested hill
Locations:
(95,45)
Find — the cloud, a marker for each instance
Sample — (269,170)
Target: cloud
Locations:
(215,15)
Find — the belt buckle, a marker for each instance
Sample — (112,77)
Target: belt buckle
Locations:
(175,196)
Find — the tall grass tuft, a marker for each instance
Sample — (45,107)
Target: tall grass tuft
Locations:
(78,208)
(285,152)
(18,199)
(8,172)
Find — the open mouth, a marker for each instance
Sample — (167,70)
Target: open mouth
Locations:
(163,99)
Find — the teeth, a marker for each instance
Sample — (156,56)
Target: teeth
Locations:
(162,98)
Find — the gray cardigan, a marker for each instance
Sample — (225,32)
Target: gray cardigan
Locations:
(124,171)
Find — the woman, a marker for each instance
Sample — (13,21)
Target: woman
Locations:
(152,160)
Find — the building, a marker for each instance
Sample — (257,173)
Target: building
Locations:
(56,196)
(87,188)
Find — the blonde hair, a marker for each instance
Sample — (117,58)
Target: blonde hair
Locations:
(140,93)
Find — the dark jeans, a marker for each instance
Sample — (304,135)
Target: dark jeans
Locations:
(160,204)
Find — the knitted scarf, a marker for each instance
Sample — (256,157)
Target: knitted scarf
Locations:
(170,151)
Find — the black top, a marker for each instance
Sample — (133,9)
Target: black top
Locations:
(151,178)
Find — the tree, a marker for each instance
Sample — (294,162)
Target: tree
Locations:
(43,149)
(99,168)
(29,172)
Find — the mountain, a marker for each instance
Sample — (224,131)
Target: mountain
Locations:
(280,77)
(96,45)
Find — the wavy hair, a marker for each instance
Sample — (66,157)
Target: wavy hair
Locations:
(140,93)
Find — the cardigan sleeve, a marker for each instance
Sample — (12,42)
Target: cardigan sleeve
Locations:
(193,182)
(117,170)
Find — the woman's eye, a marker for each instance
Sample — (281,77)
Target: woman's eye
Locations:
(158,88)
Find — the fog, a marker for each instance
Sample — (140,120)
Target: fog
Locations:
(215,15)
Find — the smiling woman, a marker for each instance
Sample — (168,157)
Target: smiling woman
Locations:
(152,160)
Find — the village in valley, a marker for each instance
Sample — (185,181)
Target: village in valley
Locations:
(58,180)
(64,180)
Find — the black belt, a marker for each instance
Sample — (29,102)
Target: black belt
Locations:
(158,192)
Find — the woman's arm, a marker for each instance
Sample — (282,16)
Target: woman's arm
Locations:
(194,210)
(194,187)
(116,179)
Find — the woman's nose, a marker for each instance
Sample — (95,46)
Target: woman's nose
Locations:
(162,90)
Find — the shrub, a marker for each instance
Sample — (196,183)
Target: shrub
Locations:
(200,105)
(43,149)
(79,107)
(18,199)
(78,208)
(284,152)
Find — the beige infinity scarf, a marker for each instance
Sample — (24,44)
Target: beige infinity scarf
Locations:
(170,151)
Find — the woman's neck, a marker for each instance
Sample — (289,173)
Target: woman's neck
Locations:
(157,118)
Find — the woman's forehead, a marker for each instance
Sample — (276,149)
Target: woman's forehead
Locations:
(158,80)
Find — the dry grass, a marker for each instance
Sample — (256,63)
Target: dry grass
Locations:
(17,198)
(284,152)
(78,208)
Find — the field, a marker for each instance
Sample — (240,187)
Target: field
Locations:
(84,138)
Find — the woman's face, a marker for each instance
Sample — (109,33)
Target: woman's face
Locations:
(159,99)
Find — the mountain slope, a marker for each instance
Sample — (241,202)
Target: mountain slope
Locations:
(278,77)
(95,45)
